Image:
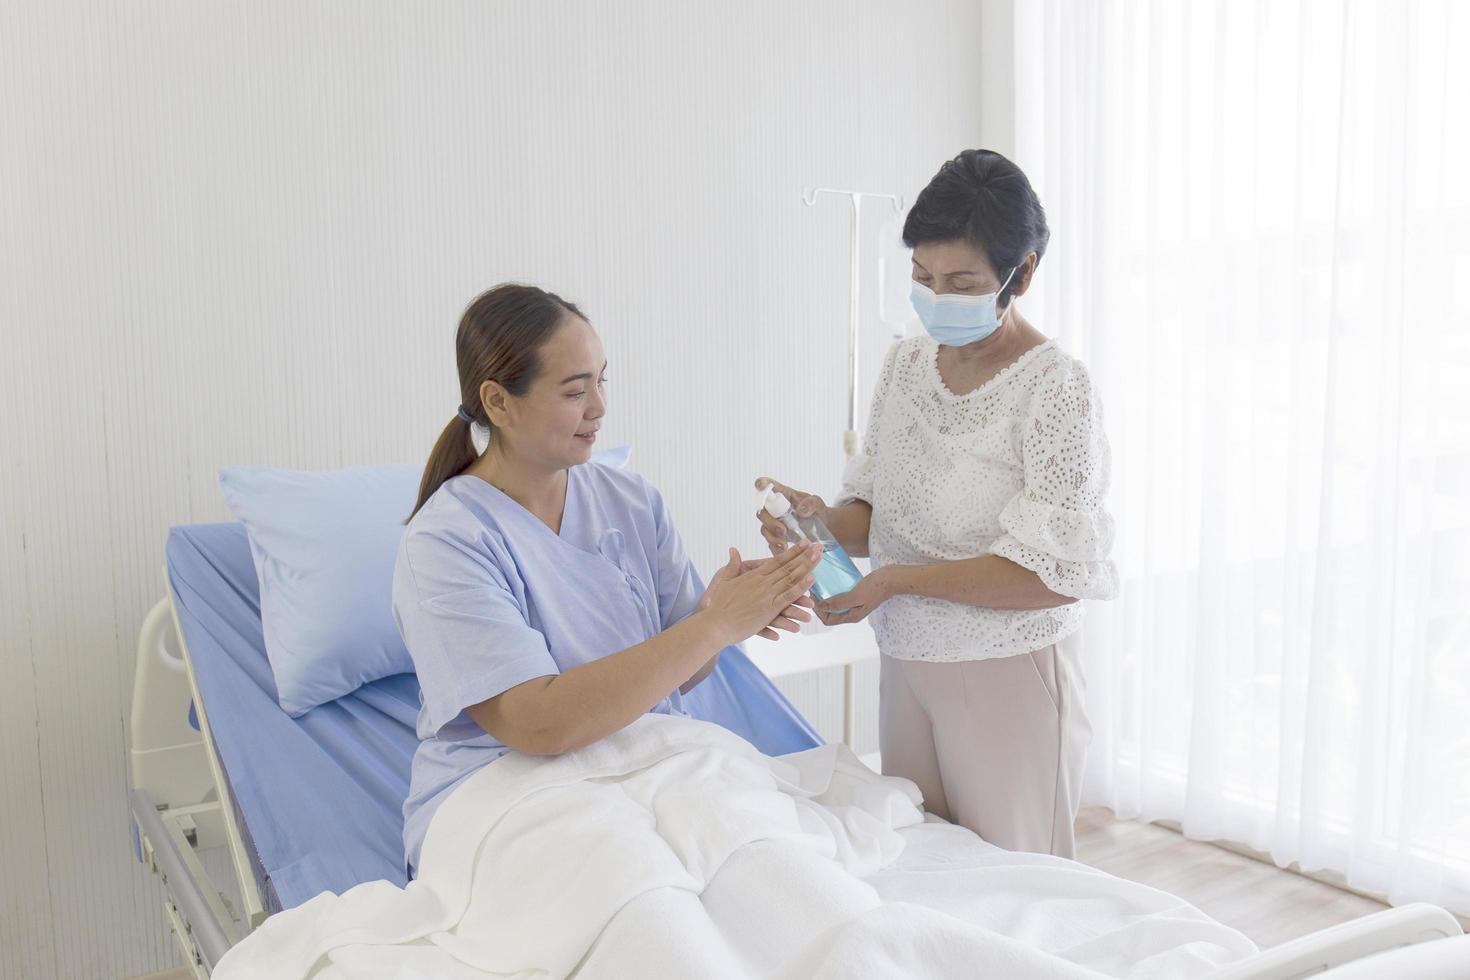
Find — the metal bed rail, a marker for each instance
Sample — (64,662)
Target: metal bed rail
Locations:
(200,920)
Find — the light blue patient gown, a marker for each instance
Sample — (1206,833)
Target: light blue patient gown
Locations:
(488,597)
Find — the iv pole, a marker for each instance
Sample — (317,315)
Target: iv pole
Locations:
(850,438)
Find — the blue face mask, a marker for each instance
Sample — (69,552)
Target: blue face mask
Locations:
(955,320)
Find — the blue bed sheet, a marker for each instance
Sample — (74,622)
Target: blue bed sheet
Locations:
(321,796)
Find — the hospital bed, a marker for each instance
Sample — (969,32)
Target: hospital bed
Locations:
(314,803)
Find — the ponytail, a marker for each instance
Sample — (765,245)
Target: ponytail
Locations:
(451,456)
(499,339)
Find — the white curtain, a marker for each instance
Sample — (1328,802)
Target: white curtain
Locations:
(1261,246)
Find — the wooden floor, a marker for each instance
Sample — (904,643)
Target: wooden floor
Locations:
(1266,903)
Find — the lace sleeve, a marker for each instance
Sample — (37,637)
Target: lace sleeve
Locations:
(1056,526)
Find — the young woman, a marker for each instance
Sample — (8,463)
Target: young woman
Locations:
(979,496)
(546,600)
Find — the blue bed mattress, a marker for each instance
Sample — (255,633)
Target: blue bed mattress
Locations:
(321,796)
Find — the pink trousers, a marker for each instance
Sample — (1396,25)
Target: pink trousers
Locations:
(994,745)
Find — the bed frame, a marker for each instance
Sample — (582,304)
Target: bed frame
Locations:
(181,800)
(181,804)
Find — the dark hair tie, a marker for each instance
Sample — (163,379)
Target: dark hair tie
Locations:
(464,416)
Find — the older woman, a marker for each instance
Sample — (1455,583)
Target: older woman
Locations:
(979,497)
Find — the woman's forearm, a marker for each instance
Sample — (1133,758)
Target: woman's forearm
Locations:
(701,674)
(849,525)
(562,712)
(989,581)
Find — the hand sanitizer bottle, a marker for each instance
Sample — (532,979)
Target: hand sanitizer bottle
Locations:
(835,573)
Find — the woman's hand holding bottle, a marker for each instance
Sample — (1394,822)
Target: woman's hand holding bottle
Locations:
(803,505)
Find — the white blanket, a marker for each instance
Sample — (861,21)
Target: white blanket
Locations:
(675,849)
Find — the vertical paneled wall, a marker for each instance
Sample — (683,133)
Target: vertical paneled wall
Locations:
(241,233)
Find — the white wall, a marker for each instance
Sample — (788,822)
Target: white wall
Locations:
(242,234)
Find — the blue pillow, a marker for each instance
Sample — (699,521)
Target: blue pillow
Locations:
(324,545)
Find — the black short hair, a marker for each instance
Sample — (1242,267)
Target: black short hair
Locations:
(982,198)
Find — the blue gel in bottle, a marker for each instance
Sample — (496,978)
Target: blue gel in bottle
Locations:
(835,573)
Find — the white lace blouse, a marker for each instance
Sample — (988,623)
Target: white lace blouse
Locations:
(1017,468)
